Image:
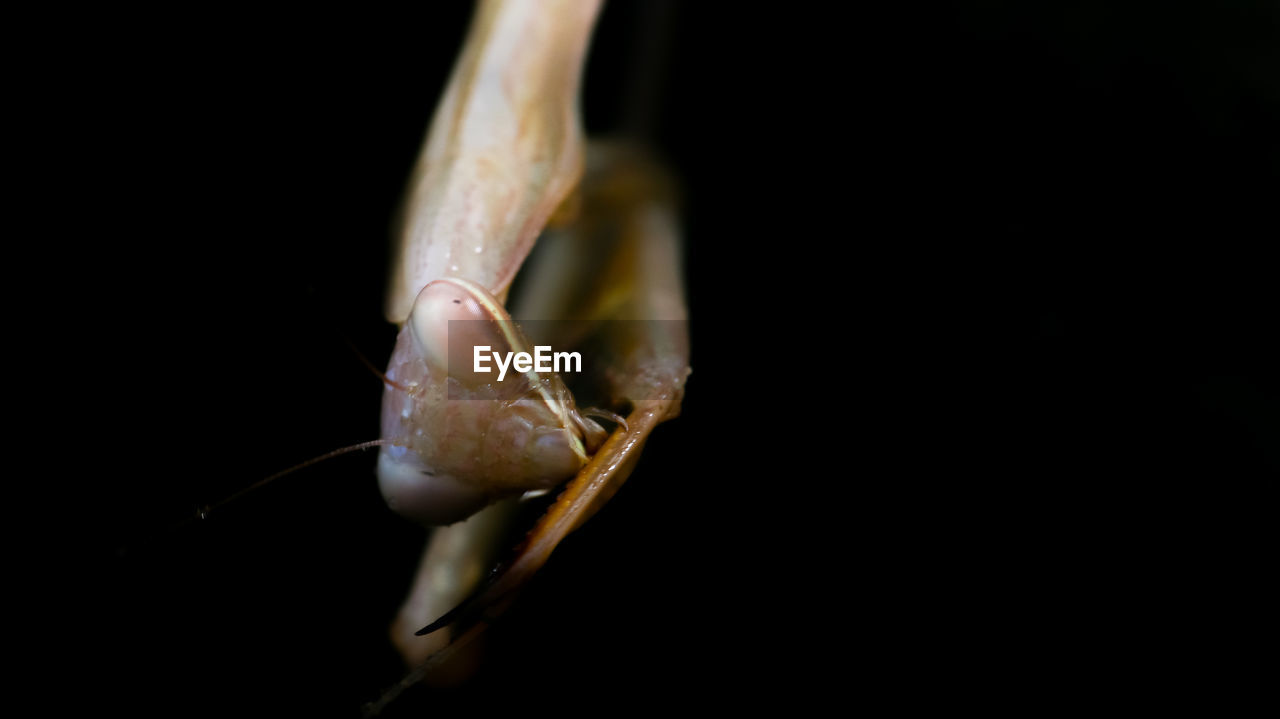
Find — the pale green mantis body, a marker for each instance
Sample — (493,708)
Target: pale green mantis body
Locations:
(504,153)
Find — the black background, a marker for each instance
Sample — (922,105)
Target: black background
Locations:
(981,394)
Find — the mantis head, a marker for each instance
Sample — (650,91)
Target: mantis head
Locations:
(462,438)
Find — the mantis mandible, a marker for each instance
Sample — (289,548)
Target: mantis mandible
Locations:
(504,157)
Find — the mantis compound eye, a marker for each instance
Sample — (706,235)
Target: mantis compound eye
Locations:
(465,436)
(459,310)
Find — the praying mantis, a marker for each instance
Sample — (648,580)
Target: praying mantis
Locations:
(505,154)
(299,585)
